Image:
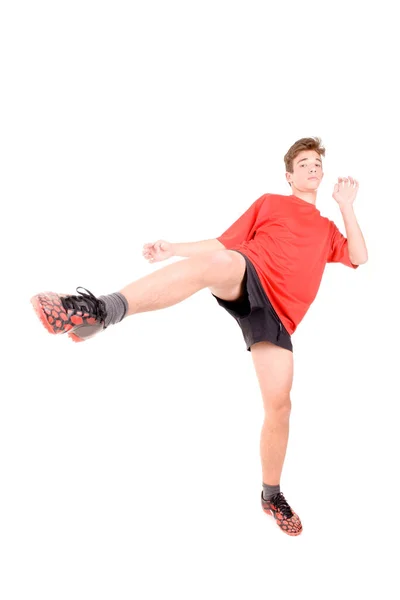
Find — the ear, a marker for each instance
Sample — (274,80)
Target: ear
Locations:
(289,177)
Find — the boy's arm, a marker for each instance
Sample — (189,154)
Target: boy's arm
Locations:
(345,192)
(237,233)
(192,248)
(357,249)
(162,250)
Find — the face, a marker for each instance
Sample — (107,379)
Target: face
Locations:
(307,171)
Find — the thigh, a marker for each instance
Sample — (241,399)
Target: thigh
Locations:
(274,369)
(235,288)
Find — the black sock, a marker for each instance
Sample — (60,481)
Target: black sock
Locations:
(270,490)
(116,308)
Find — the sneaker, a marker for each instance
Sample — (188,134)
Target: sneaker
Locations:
(287,520)
(80,316)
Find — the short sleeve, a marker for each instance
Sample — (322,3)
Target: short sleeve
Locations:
(243,228)
(339,249)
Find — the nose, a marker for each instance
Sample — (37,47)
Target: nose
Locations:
(313,169)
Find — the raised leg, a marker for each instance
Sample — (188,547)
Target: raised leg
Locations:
(178,281)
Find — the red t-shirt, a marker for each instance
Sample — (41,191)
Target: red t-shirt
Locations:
(289,244)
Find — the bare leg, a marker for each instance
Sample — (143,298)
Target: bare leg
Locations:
(178,281)
(274,369)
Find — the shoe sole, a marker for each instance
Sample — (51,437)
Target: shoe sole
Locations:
(36,303)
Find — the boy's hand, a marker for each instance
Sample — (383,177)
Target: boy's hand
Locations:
(160,250)
(345,191)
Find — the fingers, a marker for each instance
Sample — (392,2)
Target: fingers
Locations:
(152,251)
(348,181)
(147,251)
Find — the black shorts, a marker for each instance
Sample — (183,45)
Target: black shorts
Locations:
(255,314)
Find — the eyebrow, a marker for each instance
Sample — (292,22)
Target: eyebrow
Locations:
(307,159)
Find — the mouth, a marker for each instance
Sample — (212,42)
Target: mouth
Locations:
(313,178)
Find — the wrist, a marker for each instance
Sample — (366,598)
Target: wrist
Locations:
(346,208)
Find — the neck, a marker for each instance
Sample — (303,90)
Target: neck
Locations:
(307,196)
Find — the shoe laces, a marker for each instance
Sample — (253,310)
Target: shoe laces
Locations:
(279,501)
(85,303)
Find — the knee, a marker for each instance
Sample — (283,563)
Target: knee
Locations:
(222,264)
(221,259)
(278,406)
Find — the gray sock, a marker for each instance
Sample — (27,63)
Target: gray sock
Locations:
(270,490)
(116,308)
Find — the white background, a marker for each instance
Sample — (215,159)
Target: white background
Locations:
(129,464)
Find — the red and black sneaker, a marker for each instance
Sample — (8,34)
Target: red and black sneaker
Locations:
(287,520)
(80,316)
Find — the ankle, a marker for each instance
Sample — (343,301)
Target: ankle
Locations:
(116,308)
(270,490)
